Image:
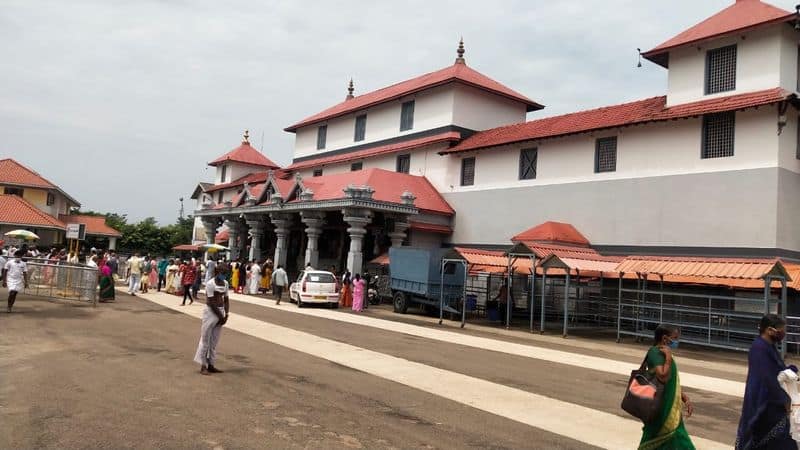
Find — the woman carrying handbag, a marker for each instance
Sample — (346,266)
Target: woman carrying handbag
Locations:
(666,430)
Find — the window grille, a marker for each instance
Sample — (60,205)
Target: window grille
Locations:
(322,135)
(224,173)
(317,172)
(51,199)
(361,128)
(407,116)
(527,163)
(718,131)
(14,191)
(404,163)
(468,171)
(356,166)
(721,69)
(605,155)
(219,197)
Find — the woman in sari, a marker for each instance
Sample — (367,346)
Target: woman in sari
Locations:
(235,276)
(358,293)
(153,273)
(266,277)
(346,296)
(172,272)
(106,283)
(765,421)
(667,432)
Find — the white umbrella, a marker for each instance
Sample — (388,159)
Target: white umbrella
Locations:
(212,248)
(22,234)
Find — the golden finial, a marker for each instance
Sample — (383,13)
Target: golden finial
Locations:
(350,90)
(246,137)
(460,52)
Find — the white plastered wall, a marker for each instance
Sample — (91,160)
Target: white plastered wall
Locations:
(479,110)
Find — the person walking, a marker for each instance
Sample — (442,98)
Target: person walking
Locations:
(667,430)
(134,273)
(153,274)
(172,274)
(211,266)
(199,276)
(107,293)
(162,273)
(279,281)
(764,423)
(147,266)
(266,276)
(215,316)
(358,293)
(346,294)
(15,277)
(188,275)
(255,278)
(235,276)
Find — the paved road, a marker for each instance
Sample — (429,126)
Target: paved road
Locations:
(121,376)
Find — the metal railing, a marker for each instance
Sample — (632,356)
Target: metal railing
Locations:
(63,280)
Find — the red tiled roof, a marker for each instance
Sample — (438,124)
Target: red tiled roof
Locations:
(460,73)
(491,261)
(251,178)
(187,248)
(741,16)
(15,210)
(634,113)
(430,227)
(95,225)
(245,154)
(740,268)
(552,232)
(450,136)
(388,186)
(14,173)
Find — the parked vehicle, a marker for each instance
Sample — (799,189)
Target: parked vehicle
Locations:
(372,293)
(417,278)
(315,286)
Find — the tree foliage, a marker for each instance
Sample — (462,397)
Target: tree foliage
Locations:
(147,236)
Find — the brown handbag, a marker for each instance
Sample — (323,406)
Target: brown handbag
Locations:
(643,395)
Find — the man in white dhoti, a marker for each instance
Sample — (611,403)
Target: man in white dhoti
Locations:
(255,278)
(215,315)
(15,277)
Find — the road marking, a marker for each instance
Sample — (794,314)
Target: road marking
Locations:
(691,380)
(570,420)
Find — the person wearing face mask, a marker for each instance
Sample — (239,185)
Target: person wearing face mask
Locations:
(765,411)
(667,430)
(15,277)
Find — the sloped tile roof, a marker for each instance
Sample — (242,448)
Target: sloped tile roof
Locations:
(95,225)
(553,232)
(388,186)
(738,268)
(14,173)
(634,113)
(430,227)
(15,210)
(458,72)
(246,154)
(251,178)
(741,16)
(450,136)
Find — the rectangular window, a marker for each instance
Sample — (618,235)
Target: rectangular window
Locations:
(527,163)
(224,173)
(403,163)
(14,191)
(356,166)
(468,171)
(322,135)
(407,116)
(219,198)
(718,130)
(51,199)
(361,128)
(605,155)
(317,172)
(721,69)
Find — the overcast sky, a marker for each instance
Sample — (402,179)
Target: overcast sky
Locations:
(122,103)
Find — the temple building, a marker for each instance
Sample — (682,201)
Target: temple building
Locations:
(711,168)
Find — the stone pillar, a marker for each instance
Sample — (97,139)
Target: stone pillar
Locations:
(256,225)
(283,223)
(112,243)
(376,241)
(398,235)
(210,225)
(358,219)
(313,221)
(234,228)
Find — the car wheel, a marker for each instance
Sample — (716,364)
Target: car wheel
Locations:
(400,303)
(299,302)
(335,305)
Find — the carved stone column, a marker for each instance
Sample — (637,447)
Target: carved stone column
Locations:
(210,225)
(234,230)
(358,219)
(398,235)
(283,223)
(313,221)
(256,224)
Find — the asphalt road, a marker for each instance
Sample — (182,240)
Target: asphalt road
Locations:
(121,376)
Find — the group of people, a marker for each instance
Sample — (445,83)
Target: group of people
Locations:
(765,419)
(354,291)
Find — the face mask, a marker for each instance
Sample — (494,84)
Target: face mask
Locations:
(674,344)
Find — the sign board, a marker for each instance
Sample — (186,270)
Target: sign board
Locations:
(76,231)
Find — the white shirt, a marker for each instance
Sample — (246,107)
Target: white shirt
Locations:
(280,277)
(211,288)
(15,275)
(2,263)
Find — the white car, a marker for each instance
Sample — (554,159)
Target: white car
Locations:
(315,286)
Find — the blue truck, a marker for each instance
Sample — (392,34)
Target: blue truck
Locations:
(417,277)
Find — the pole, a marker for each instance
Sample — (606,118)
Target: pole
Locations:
(441,294)
(566,303)
(464,296)
(619,305)
(544,284)
(533,288)
(509,290)
(783,313)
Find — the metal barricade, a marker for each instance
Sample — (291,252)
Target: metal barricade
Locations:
(68,281)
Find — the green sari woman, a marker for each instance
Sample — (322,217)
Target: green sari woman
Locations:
(106,284)
(667,430)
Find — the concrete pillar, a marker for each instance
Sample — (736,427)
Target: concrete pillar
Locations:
(256,224)
(210,225)
(358,219)
(313,221)
(112,242)
(234,228)
(398,235)
(283,223)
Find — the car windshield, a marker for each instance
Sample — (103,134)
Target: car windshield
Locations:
(321,278)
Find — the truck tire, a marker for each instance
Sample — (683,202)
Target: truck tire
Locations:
(400,303)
